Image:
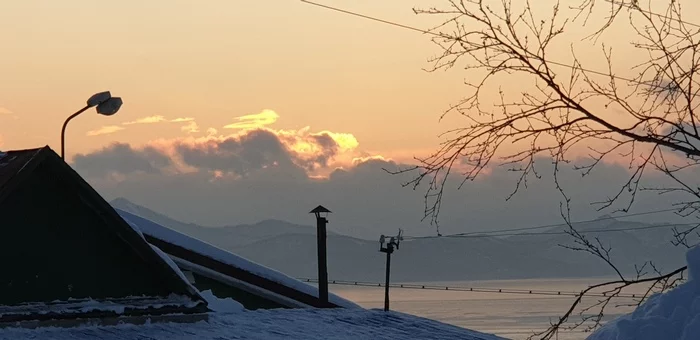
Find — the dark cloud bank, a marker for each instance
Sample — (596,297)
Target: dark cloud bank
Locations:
(263,179)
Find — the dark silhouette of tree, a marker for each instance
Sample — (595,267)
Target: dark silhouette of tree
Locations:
(648,119)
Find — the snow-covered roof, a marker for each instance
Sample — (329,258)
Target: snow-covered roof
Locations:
(19,170)
(12,162)
(171,236)
(79,307)
(288,324)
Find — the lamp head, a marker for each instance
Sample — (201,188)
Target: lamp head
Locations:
(98,98)
(109,106)
(320,211)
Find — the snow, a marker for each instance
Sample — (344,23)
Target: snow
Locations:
(216,304)
(293,324)
(133,226)
(174,267)
(171,236)
(117,306)
(673,315)
(170,262)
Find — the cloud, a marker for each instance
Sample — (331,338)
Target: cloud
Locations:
(256,150)
(182,120)
(146,120)
(242,154)
(105,130)
(123,159)
(261,173)
(191,127)
(258,120)
(256,177)
(4,111)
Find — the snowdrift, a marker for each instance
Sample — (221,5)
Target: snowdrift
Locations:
(673,315)
(282,324)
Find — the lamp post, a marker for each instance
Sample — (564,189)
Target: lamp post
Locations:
(106,105)
(321,221)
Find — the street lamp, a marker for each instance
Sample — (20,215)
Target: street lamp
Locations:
(106,105)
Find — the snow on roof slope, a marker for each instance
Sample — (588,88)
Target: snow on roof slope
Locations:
(330,324)
(673,315)
(174,267)
(171,236)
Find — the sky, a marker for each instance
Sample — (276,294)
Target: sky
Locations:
(236,111)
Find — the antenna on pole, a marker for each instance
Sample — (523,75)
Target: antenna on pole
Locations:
(389,249)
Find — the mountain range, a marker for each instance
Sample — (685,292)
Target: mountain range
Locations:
(291,248)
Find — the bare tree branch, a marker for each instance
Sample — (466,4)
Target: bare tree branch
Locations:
(562,111)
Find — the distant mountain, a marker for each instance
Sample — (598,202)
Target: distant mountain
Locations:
(419,260)
(630,243)
(291,248)
(225,236)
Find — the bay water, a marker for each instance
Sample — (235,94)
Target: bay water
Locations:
(513,316)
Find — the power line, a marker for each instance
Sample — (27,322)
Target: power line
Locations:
(545,233)
(483,232)
(396,24)
(470,289)
(637,8)
(372,18)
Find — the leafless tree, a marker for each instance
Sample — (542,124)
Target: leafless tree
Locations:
(565,107)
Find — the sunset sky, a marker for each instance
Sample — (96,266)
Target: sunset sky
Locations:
(215,61)
(194,74)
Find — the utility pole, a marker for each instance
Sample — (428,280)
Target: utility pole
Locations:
(389,249)
(321,222)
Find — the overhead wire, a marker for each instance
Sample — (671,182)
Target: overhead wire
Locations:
(441,35)
(472,289)
(637,8)
(545,233)
(483,232)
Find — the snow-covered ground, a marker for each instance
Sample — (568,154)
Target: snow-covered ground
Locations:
(158,231)
(328,324)
(674,315)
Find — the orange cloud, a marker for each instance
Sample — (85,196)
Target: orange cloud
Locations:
(358,160)
(158,119)
(182,120)
(258,120)
(346,141)
(316,153)
(146,120)
(4,111)
(105,130)
(192,127)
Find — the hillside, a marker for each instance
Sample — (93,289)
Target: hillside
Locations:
(223,236)
(291,249)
